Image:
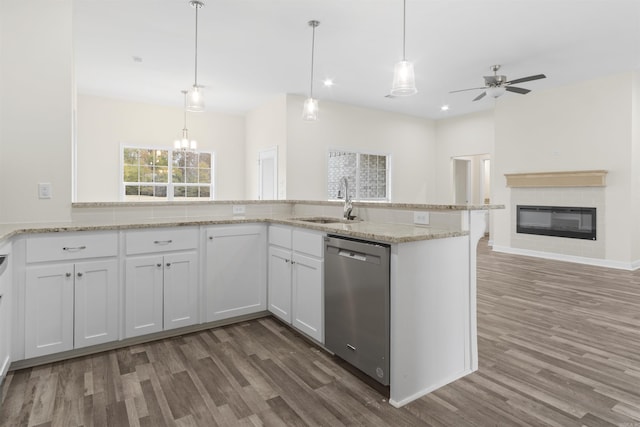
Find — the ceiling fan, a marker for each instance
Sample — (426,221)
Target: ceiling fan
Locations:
(495,86)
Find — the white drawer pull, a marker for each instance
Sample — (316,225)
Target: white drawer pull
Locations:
(74,249)
(162,242)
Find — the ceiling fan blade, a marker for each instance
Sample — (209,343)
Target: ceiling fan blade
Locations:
(517,90)
(527,79)
(464,90)
(480,96)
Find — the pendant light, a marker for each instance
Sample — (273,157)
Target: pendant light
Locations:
(196,97)
(184,143)
(404,79)
(310,107)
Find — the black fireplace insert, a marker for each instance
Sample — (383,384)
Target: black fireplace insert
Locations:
(560,221)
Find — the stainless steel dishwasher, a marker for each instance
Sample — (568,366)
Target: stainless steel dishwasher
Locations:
(356,298)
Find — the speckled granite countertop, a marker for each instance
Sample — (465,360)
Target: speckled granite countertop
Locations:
(382,232)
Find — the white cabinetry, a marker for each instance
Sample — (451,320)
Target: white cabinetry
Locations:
(6,283)
(161,280)
(70,303)
(296,278)
(236,271)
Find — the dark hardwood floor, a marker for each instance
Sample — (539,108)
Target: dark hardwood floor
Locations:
(559,345)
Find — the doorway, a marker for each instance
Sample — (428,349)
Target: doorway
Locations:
(461,181)
(268,174)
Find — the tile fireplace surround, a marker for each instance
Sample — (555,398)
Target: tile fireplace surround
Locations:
(567,188)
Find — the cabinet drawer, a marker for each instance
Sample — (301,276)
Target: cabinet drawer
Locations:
(71,246)
(308,242)
(280,236)
(161,240)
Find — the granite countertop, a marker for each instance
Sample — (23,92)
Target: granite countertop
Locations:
(382,232)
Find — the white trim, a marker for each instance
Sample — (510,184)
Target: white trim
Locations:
(620,265)
(423,392)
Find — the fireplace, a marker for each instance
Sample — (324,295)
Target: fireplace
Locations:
(560,221)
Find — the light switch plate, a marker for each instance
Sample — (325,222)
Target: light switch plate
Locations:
(239,209)
(421,218)
(44,190)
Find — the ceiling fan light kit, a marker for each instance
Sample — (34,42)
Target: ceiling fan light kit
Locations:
(495,86)
(310,107)
(404,78)
(195,97)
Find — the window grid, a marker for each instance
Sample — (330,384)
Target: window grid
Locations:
(163,174)
(367,175)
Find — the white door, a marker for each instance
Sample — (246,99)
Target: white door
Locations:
(48,310)
(280,283)
(268,174)
(96,303)
(308,296)
(461,177)
(236,280)
(143,295)
(180,290)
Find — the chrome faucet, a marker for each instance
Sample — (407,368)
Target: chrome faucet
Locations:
(348,207)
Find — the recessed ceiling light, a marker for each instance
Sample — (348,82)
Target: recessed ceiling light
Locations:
(328,82)
(444,108)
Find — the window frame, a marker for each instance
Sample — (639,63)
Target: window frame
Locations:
(358,192)
(169,184)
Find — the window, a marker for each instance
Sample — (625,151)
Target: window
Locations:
(367,175)
(166,174)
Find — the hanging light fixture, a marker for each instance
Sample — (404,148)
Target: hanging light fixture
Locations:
(196,97)
(404,79)
(184,143)
(310,107)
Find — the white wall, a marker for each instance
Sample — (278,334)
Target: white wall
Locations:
(585,126)
(469,135)
(104,123)
(36,94)
(266,127)
(635,180)
(409,140)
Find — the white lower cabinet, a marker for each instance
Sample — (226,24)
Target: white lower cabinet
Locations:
(236,271)
(6,323)
(160,292)
(70,306)
(161,280)
(296,279)
(280,282)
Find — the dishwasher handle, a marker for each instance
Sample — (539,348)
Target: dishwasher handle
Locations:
(352,254)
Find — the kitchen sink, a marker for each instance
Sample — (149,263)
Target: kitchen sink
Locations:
(321,220)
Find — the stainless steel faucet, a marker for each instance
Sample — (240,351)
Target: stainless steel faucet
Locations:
(348,207)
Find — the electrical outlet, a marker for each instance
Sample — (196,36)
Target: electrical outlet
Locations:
(421,218)
(239,209)
(44,190)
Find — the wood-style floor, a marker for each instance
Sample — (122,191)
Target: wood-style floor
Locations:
(559,345)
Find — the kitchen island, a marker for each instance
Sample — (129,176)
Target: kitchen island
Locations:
(433,279)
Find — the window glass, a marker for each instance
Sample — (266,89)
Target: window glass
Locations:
(162,174)
(367,175)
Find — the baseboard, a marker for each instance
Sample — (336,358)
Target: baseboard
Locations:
(418,395)
(620,265)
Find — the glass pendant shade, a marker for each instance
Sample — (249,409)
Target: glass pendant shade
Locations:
(310,110)
(496,91)
(404,79)
(195,99)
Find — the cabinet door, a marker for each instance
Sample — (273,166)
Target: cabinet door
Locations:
(236,281)
(308,296)
(48,310)
(143,295)
(180,290)
(96,303)
(280,283)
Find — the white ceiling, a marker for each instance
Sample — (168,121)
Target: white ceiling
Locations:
(251,50)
